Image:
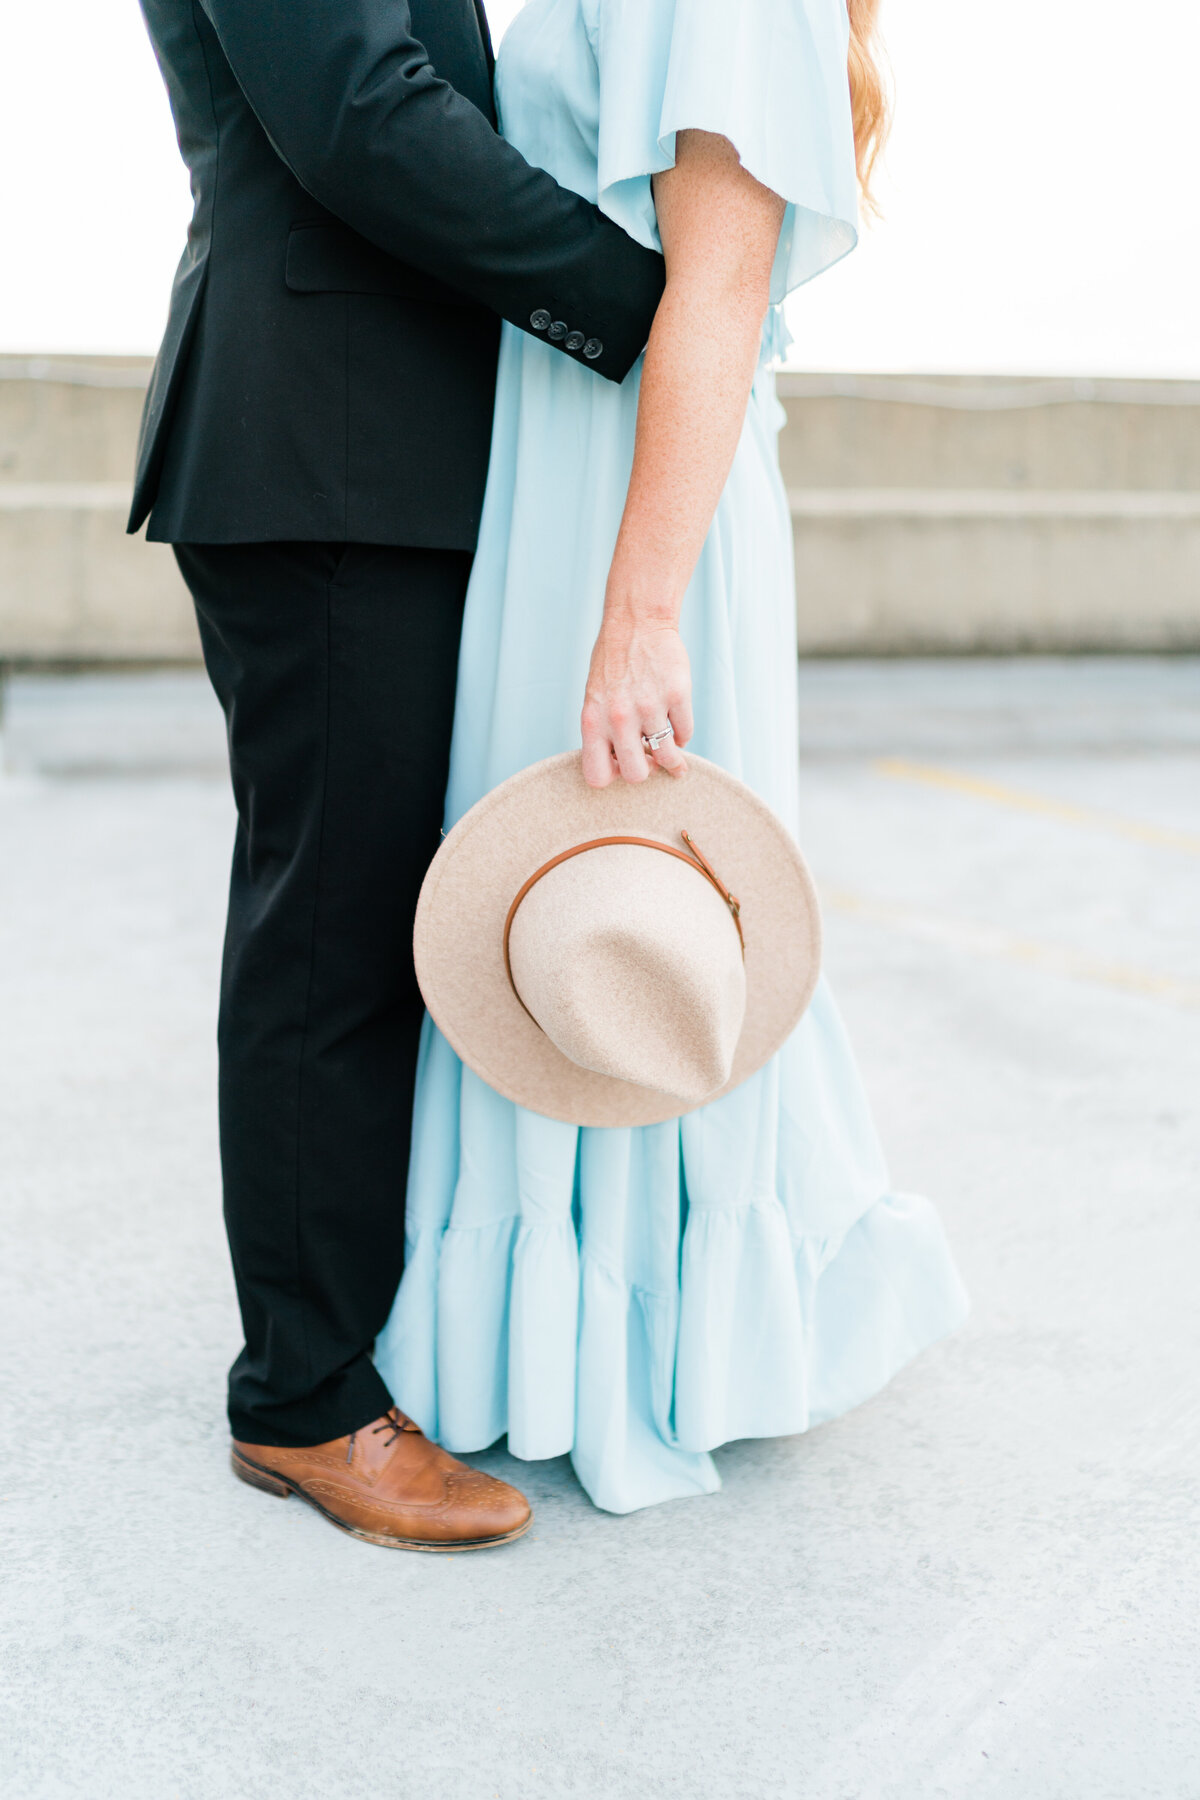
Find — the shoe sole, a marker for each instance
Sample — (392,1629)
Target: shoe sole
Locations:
(268,1482)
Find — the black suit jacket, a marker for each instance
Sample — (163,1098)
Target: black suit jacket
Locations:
(359,230)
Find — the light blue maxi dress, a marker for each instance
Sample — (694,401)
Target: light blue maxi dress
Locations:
(637,1297)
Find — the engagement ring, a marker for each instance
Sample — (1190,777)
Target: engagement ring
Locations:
(659,737)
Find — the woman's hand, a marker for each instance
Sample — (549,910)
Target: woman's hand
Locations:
(639,681)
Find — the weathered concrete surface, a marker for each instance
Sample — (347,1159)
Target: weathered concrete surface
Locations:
(958,513)
(984,1583)
(931,514)
(73,586)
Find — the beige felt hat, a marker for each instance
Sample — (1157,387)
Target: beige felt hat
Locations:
(583,951)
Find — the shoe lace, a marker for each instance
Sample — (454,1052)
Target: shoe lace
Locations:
(393,1421)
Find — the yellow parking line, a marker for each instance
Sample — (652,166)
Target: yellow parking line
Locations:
(1020,800)
(987,940)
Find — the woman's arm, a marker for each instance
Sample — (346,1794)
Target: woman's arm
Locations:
(719,228)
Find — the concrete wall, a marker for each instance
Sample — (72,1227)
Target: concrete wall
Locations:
(73,587)
(950,514)
(931,514)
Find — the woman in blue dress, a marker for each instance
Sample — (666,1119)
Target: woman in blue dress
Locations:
(636,1297)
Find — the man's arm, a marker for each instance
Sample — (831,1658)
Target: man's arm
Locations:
(348,98)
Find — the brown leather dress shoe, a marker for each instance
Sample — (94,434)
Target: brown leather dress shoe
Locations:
(389,1485)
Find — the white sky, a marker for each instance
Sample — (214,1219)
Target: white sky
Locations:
(1041,213)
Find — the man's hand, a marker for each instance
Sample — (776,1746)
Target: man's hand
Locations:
(639,682)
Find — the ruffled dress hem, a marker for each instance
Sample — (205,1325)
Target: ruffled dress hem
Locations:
(640,1387)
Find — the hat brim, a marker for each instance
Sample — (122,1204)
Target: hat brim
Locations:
(458,940)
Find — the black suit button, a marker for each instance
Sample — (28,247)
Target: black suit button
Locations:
(593,348)
(539,319)
(558,331)
(574,341)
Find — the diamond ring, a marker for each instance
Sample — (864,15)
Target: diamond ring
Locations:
(656,738)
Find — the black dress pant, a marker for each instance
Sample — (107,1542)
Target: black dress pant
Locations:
(335,665)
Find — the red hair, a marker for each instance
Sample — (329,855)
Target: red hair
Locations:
(869,106)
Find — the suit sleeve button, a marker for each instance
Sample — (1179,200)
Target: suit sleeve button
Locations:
(574,340)
(593,348)
(539,319)
(558,331)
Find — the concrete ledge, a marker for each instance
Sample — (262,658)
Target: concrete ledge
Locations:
(74,587)
(932,515)
(950,514)
(992,576)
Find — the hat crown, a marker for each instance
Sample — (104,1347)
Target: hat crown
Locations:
(630,962)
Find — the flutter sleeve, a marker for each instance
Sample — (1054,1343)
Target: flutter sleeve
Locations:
(769,75)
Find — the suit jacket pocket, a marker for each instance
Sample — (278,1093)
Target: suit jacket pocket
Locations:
(332,259)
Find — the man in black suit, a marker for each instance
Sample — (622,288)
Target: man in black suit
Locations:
(315,446)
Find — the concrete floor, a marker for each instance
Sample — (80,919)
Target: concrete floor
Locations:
(983,1583)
